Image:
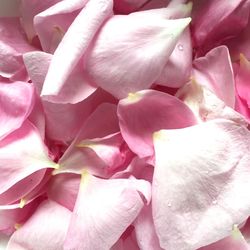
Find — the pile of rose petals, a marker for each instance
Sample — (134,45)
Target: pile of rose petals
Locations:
(124,124)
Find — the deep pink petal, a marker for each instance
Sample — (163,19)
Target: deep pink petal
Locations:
(147,111)
(200,181)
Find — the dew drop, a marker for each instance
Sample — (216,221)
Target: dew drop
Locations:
(169,204)
(180,47)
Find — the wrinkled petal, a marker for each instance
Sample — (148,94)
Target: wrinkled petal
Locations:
(69,51)
(233,242)
(199,183)
(30,156)
(215,72)
(16,103)
(103,211)
(130,51)
(147,111)
(49,234)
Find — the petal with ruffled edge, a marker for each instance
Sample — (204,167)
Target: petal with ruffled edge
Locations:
(200,181)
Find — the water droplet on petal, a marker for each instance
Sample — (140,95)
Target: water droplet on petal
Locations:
(180,47)
(169,204)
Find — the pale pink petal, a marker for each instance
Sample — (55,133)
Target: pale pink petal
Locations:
(28,10)
(177,72)
(130,51)
(75,43)
(21,154)
(46,229)
(215,72)
(12,45)
(103,211)
(234,242)
(206,105)
(52,23)
(145,230)
(200,181)
(63,188)
(211,20)
(147,111)
(16,103)
(76,88)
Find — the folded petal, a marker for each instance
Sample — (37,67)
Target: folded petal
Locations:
(147,111)
(214,71)
(28,10)
(177,72)
(120,60)
(76,88)
(200,181)
(49,234)
(16,103)
(75,43)
(103,211)
(52,23)
(21,154)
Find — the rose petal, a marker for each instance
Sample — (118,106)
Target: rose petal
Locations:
(200,182)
